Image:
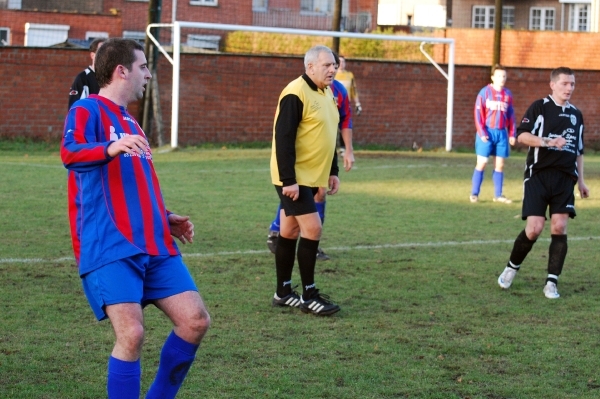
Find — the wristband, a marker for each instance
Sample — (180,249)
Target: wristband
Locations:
(545,141)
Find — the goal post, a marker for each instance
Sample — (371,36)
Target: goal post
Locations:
(176,59)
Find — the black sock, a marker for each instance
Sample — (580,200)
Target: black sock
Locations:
(521,248)
(557,253)
(307,258)
(285,253)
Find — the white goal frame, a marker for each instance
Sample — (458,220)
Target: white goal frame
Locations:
(176,59)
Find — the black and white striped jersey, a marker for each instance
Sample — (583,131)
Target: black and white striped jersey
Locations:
(545,118)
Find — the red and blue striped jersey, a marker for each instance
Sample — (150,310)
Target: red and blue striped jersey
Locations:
(494,110)
(116,208)
(343,103)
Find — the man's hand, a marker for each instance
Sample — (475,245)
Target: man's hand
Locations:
(557,142)
(358,109)
(348,159)
(512,140)
(130,144)
(583,190)
(182,228)
(484,139)
(292,191)
(333,184)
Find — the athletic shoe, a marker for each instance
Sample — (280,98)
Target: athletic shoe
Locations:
(550,290)
(292,300)
(272,240)
(321,255)
(318,304)
(473,198)
(502,199)
(506,278)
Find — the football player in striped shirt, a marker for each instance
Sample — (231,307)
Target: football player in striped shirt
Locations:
(553,129)
(122,233)
(496,129)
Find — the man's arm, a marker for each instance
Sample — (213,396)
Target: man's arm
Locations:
(532,140)
(349,152)
(511,122)
(82,151)
(286,129)
(583,189)
(76,89)
(480,117)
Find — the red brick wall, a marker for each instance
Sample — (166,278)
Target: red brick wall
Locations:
(79,23)
(34,93)
(527,49)
(232,98)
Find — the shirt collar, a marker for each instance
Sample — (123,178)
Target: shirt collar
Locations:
(311,84)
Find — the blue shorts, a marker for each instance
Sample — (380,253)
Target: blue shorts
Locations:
(138,279)
(497,144)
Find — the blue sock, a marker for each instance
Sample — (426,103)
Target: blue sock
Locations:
(321,210)
(124,379)
(477,180)
(176,358)
(498,179)
(276,222)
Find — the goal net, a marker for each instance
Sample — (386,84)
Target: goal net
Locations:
(185,35)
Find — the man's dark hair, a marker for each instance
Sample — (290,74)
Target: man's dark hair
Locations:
(96,42)
(497,67)
(560,71)
(336,57)
(112,53)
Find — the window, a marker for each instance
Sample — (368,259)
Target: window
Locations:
(45,35)
(318,6)
(4,37)
(135,35)
(14,4)
(483,17)
(260,5)
(541,18)
(579,17)
(210,42)
(91,35)
(203,2)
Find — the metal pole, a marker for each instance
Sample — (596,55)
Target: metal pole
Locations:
(497,32)
(175,94)
(450,99)
(336,23)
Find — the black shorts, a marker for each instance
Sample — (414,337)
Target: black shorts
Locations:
(304,205)
(548,188)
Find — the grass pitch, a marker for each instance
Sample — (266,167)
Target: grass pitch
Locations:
(414,268)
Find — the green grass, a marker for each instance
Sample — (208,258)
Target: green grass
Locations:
(414,268)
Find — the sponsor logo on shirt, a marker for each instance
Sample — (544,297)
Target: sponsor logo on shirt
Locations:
(493,105)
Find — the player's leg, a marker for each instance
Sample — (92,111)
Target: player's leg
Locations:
(320,201)
(534,211)
(115,291)
(171,288)
(562,207)
(482,150)
(274,231)
(124,366)
(502,152)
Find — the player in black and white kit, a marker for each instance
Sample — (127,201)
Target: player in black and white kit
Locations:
(85,83)
(553,129)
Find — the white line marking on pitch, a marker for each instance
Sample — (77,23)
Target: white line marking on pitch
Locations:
(347,248)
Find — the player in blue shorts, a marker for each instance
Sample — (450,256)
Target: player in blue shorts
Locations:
(122,233)
(495,122)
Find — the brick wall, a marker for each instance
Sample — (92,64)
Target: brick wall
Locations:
(232,98)
(529,49)
(79,23)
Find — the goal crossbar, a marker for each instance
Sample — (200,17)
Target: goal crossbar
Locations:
(176,59)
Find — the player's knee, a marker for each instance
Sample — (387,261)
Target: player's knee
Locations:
(197,325)
(131,338)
